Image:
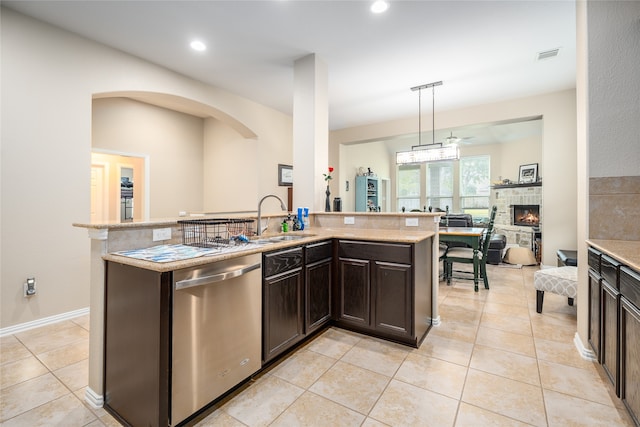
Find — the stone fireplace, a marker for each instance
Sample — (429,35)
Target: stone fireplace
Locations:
(517,205)
(525,215)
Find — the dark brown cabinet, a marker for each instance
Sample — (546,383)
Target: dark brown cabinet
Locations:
(630,341)
(375,287)
(136,359)
(379,289)
(614,325)
(283,318)
(297,289)
(318,273)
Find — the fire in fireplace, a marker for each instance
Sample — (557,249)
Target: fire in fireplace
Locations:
(527,215)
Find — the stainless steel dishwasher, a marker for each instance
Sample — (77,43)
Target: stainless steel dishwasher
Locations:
(217,331)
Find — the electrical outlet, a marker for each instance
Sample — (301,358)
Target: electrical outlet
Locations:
(411,222)
(161,234)
(29,287)
(349,220)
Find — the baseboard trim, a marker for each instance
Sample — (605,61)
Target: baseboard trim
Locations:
(585,353)
(95,400)
(42,322)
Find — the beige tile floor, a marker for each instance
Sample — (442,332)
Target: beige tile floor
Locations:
(492,362)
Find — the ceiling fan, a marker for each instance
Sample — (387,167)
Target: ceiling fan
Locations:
(451,139)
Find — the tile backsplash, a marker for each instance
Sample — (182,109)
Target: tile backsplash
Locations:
(614,208)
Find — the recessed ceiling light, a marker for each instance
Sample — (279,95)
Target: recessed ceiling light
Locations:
(197,45)
(379,6)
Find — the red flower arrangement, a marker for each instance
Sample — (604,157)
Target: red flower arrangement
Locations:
(327,176)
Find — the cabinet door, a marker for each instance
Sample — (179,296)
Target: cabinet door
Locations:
(594,312)
(354,289)
(277,262)
(361,194)
(629,361)
(318,294)
(393,296)
(609,351)
(282,312)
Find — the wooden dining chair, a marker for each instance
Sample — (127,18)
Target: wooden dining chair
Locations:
(465,256)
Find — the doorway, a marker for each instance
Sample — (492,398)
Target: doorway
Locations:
(126,193)
(118,187)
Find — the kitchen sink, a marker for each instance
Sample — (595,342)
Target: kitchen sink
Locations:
(276,239)
(288,237)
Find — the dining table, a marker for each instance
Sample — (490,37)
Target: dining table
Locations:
(471,236)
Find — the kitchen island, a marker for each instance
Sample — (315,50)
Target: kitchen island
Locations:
(375,228)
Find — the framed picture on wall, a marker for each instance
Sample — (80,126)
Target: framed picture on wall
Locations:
(528,173)
(285,175)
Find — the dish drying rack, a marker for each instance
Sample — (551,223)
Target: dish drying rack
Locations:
(211,233)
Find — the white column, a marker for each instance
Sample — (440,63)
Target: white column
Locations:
(310,133)
(93,392)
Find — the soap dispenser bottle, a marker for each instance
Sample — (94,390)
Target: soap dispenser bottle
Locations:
(289,222)
(306,218)
(300,219)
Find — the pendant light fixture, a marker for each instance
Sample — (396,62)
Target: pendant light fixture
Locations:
(434,152)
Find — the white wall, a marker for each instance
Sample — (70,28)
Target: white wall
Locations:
(614,88)
(49,77)
(372,155)
(230,165)
(173,141)
(557,161)
(508,157)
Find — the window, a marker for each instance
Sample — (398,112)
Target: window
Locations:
(440,185)
(408,187)
(463,186)
(474,185)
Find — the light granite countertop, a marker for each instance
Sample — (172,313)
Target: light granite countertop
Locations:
(310,236)
(625,251)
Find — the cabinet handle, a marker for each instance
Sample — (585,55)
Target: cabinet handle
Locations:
(205,280)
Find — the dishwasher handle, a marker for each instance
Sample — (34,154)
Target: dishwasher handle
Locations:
(206,280)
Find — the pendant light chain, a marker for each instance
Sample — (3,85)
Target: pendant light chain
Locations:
(433,109)
(433,114)
(419,117)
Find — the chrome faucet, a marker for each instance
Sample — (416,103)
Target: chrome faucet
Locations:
(282,205)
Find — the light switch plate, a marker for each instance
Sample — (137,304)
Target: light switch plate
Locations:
(161,234)
(349,220)
(411,222)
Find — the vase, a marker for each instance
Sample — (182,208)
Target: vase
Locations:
(327,202)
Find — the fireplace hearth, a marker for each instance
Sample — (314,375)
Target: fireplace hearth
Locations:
(525,215)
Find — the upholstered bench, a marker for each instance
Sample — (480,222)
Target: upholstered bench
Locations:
(558,280)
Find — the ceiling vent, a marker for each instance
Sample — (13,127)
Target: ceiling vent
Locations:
(548,54)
